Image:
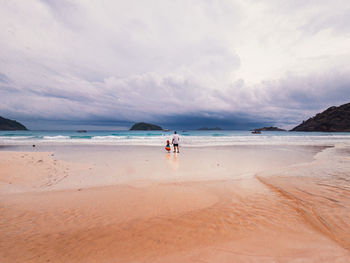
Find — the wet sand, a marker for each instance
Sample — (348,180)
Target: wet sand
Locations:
(204,205)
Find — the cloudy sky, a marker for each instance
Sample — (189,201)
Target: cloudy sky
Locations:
(237,63)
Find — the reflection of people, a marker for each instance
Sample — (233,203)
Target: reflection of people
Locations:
(173,162)
(167,146)
(175,141)
(167,156)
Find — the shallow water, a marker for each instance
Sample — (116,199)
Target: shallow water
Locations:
(320,192)
(135,165)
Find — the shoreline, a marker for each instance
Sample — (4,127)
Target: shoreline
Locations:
(210,212)
(188,139)
(321,195)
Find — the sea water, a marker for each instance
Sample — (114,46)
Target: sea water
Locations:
(158,138)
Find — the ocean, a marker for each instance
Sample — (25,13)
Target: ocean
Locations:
(158,138)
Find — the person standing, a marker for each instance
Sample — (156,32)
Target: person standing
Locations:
(175,141)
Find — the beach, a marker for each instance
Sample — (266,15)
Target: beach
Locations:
(174,131)
(127,203)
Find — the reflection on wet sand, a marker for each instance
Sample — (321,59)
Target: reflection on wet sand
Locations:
(296,214)
(322,199)
(324,204)
(173,161)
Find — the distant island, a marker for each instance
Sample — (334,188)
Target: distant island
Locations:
(11,125)
(209,129)
(268,129)
(143,126)
(334,119)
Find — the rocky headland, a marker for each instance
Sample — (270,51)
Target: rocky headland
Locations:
(334,119)
(11,125)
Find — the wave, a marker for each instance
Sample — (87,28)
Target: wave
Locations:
(187,139)
(81,137)
(57,137)
(16,137)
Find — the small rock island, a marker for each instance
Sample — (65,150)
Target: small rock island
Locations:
(11,125)
(268,129)
(209,129)
(334,119)
(143,126)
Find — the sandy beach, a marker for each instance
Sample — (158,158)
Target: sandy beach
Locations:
(174,131)
(206,204)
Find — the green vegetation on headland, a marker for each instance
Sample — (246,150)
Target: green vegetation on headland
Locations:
(10,125)
(209,129)
(334,119)
(143,126)
(268,129)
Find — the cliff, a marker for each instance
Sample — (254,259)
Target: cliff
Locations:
(334,119)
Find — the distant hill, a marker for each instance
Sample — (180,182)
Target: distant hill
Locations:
(334,119)
(143,126)
(269,129)
(209,129)
(10,125)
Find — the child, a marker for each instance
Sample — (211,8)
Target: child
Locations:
(167,147)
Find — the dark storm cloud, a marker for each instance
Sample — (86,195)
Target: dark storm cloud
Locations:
(237,121)
(234,63)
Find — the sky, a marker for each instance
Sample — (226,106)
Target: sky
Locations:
(179,63)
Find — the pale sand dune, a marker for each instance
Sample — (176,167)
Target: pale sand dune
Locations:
(222,220)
